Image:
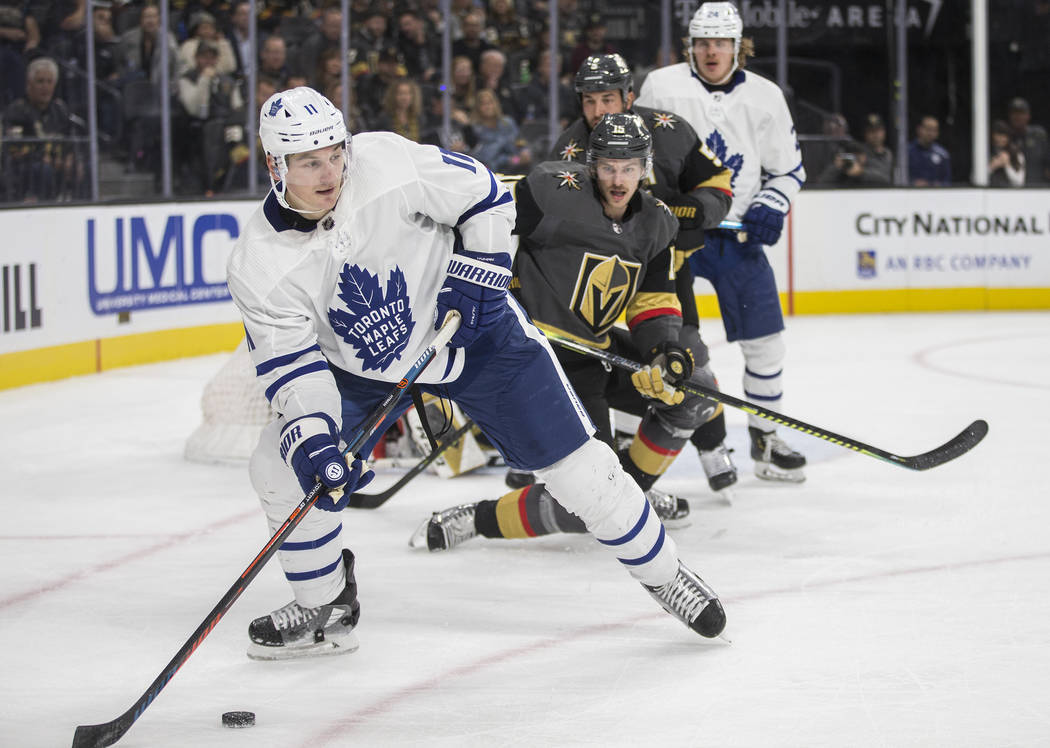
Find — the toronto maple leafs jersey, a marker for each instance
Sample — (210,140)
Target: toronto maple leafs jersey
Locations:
(357,290)
(745,122)
(681,163)
(577,270)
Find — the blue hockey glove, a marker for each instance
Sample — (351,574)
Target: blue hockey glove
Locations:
(476,287)
(309,446)
(764,220)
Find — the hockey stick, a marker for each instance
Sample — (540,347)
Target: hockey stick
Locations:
(375,500)
(967,439)
(108,733)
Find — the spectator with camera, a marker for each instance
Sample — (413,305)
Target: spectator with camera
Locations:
(1006,167)
(849,168)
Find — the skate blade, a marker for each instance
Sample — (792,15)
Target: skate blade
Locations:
(419,537)
(726,495)
(772,473)
(332,645)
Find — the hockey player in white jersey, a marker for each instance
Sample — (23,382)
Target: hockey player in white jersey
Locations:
(341,276)
(744,119)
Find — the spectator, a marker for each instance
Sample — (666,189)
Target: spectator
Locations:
(878,157)
(213,112)
(416,51)
(849,169)
(355,120)
(185,10)
(492,74)
(273,60)
(108,69)
(372,88)
(592,43)
(818,154)
(1006,168)
(458,137)
(239,37)
(329,70)
(370,39)
(497,135)
(534,99)
(18,34)
(512,30)
(203,27)
(61,24)
(472,43)
(929,164)
(327,36)
(402,110)
(43,168)
(140,49)
(464,86)
(141,52)
(1030,139)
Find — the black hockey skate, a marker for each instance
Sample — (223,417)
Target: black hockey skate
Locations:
(720,471)
(446,529)
(671,510)
(295,631)
(774,459)
(688,598)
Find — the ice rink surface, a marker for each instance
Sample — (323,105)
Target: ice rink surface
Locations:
(869,606)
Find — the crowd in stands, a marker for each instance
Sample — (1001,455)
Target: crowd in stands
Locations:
(499,90)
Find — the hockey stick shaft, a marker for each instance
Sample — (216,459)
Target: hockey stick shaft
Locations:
(966,440)
(108,733)
(376,500)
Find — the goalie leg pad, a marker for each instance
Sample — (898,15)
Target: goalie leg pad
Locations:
(591,484)
(311,557)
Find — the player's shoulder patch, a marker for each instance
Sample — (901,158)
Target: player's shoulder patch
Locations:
(571,150)
(567,179)
(664,119)
(664,205)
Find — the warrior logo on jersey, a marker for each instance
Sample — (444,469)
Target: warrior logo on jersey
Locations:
(571,151)
(568,179)
(604,286)
(718,146)
(663,119)
(377,324)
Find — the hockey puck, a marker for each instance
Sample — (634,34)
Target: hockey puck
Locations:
(238,719)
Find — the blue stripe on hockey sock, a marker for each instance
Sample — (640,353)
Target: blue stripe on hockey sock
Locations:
(768,398)
(309,545)
(750,373)
(300,576)
(648,556)
(632,532)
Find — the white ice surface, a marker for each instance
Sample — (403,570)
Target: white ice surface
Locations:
(869,606)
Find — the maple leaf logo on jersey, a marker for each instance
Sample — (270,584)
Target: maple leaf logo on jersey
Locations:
(663,119)
(568,179)
(571,151)
(377,324)
(717,144)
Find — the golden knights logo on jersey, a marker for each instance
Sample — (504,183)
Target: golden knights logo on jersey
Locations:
(604,286)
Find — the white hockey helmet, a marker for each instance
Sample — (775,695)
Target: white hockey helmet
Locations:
(297,121)
(716,21)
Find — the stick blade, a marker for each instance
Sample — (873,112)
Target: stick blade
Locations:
(100,736)
(966,440)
